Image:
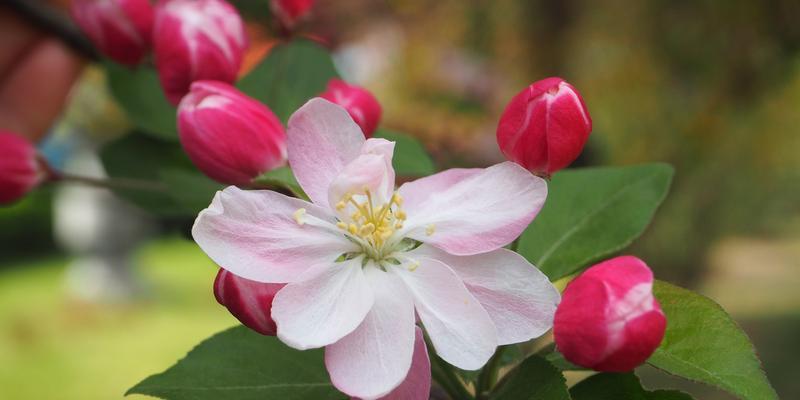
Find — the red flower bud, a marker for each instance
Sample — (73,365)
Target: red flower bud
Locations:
(119,28)
(608,319)
(544,127)
(359,103)
(289,12)
(197,40)
(249,301)
(230,137)
(20,170)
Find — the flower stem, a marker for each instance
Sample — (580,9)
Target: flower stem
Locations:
(488,376)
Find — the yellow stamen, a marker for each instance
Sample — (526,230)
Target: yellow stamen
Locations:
(413,266)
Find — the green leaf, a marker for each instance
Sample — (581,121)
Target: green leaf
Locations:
(620,386)
(592,213)
(243,365)
(410,158)
(123,159)
(283,178)
(558,361)
(704,344)
(139,93)
(533,379)
(192,190)
(290,75)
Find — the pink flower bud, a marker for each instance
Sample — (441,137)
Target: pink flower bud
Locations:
(608,319)
(230,137)
(359,103)
(289,12)
(249,301)
(20,170)
(119,28)
(197,40)
(544,127)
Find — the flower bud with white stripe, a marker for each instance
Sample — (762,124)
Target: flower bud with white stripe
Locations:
(197,40)
(120,29)
(608,319)
(544,127)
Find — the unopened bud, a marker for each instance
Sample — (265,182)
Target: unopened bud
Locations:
(197,40)
(229,136)
(249,301)
(359,103)
(544,127)
(20,170)
(120,29)
(608,319)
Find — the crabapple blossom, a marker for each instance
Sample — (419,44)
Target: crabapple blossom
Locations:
(119,28)
(229,136)
(197,40)
(544,127)
(362,259)
(359,103)
(608,319)
(20,169)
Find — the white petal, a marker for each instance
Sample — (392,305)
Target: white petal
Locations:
(321,139)
(459,327)
(329,302)
(477,212)
(375,358)
(518,297)
(255,235)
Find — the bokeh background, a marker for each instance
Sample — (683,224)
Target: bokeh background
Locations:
(709,86)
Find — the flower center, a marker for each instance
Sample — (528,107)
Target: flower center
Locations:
(371,225)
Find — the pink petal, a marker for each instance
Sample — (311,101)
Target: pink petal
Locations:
(417,385)
(376,357)
(459,327)
(372,169)
(254,235)
(477,212)
(321,140)
(326,304)
(519,298)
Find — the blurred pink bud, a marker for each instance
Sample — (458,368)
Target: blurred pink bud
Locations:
(544,127)
(359,103)
(230,137)
(289,12)
(197,40)
(608,319)
(20,170)
(119,28)
(249,301)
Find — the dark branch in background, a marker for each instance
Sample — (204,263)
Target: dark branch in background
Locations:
(53,21)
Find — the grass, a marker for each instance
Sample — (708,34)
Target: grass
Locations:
(53,346)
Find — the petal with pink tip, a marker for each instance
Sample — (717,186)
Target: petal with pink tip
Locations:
(255,235)
(477,212)
(375,358)
(459,327)
(519,298)
(326,304)
(321,140)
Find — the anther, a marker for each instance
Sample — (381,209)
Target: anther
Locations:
(298,216)
(352,229)
(367,229)
(341,225)
(400,214)
(340,205)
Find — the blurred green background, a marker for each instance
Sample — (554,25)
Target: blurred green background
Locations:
(710,86)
